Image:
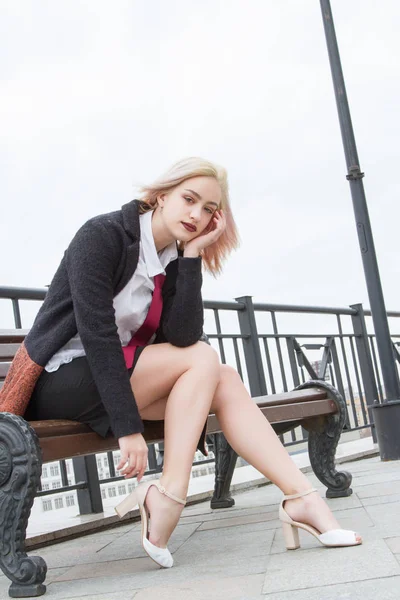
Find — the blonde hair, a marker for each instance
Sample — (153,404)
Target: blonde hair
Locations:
(215,254)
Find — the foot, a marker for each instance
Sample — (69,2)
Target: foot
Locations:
(313,510)
(164,515)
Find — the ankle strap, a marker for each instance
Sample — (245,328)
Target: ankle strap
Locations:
(162,489)
(294,496)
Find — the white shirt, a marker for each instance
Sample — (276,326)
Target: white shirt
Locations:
(132,303)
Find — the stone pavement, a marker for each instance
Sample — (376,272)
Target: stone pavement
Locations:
(239,553)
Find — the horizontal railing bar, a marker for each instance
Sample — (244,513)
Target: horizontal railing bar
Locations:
(222,305)
(304,335)
(20,293)
(303,309)
(390,313)
(23,293)
(234,336)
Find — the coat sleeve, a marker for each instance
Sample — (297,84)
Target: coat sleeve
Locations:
(183,315)
(91,261)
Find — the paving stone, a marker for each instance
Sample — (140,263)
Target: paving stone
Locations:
(381,489)
(230,588)
(129,545)
(376,477)
(238,552)
(72,552)
(393,543)
(386,518)
(352,501)
(380,500)
(302,569)
(230,513)
(139,573)
(259,517)
(386,588)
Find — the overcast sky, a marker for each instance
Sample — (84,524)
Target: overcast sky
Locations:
(97,97)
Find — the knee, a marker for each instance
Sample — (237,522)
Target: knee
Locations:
(229,380)
(206,358)
(229,375)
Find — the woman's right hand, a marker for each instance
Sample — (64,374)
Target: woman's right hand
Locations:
(134,453)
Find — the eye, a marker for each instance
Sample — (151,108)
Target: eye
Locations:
(188,199)
(209,210)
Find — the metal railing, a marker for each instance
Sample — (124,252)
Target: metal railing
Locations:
(274,348)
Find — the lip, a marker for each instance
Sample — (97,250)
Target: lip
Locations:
(189,227)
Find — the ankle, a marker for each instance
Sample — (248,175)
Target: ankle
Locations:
(301,490)
(177,488)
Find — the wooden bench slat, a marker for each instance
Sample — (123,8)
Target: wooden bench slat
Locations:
(286,413)
(58,447)
(309,395)
(82,440)
(9,336)
(4,367)
(51,428)
(8,350)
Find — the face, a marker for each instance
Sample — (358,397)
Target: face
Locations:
(188,209)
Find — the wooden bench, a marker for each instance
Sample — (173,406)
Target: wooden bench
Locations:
(315,405)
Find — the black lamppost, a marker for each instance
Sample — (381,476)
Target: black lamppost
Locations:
(387,414)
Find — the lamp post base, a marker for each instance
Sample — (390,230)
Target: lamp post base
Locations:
(387,427)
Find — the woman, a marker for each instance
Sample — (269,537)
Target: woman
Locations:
(102,352)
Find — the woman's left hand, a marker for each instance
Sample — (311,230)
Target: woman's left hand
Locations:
(197,244)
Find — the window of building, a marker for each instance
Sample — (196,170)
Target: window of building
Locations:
(47,505)
(99,465)
(56,484)
(58,502)
(70,500)
(111,492)
(121,490)
(45,486)
(131,487)
(103,493)
(44,471)
(105,461)
(54,471)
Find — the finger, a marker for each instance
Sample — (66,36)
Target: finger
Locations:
(141,472)
(122,463)
(130,472)
(130,466)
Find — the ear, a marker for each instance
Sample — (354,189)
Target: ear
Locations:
(161,201)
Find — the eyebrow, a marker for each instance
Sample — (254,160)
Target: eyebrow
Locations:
(199,197)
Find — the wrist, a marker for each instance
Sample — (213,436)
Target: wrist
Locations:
(191,253)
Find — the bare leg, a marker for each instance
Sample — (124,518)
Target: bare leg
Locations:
(238,415)
(188,377)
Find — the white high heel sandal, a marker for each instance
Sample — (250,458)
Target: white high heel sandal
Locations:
(161,556)
(332,538)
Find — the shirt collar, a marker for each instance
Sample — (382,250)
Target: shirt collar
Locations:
(156,263)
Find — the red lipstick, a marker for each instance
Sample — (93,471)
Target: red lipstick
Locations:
(189,227)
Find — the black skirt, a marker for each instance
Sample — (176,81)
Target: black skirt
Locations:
(71,393)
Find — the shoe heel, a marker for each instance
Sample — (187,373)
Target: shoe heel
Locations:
(127,504)
(291,535)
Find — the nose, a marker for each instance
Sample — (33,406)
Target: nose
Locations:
(195,213)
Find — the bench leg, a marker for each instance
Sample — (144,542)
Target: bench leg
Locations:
(20,469)
(225,462)
(324,435)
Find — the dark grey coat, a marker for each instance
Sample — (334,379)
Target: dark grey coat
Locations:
(97,265)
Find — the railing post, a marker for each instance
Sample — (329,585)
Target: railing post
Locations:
(365,360)
(89,499)
(251,347)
